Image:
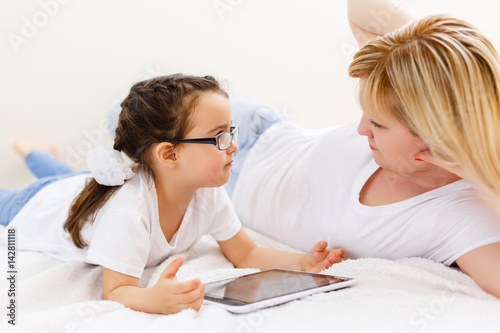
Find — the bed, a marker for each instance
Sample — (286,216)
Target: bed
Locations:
(407,295)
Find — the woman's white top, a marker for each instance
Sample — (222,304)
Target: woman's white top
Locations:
(126,235)
(301,187)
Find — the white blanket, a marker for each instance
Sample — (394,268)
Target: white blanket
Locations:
(408,295)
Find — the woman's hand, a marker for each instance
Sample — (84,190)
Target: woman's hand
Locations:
(372,18)
(321,257)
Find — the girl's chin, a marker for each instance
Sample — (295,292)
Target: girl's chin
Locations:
(219,182)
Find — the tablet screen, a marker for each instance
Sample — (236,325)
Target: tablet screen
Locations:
(265,285)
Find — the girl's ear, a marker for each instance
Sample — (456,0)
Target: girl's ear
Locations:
(164,153)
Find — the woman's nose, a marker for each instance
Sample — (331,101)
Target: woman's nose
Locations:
(364,127)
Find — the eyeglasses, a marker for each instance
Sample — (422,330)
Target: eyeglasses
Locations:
(221,141)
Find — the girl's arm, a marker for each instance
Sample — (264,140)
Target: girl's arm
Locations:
(371,18)
(483,265)
(243,252)
(167,296)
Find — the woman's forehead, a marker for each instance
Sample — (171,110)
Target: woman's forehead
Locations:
(377,103)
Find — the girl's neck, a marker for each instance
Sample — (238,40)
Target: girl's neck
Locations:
(173,194)
(173,200)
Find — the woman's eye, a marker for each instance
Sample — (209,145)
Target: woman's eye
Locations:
(375,124)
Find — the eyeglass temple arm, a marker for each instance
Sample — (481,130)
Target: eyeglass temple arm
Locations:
(204,140)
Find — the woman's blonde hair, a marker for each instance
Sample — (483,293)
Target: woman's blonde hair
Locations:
(442,78)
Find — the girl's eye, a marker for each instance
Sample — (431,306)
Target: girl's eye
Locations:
(375,124)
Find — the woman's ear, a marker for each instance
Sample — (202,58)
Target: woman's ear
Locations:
(165,154)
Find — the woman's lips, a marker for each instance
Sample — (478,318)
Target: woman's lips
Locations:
(372,148)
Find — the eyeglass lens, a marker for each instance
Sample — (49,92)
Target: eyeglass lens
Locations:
(226,138)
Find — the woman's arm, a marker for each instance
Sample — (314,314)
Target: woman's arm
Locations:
(167,296)
(243,252)
(371,18)
(483,265)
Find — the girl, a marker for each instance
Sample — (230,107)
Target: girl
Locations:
(177,130)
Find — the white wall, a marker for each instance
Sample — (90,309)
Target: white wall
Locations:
(64,62)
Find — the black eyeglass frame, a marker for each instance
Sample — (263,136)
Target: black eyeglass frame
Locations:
(233,131)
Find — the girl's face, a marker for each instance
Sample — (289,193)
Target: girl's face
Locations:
(203,164)
(394,146)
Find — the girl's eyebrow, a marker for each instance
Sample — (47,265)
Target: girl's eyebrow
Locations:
(218,128)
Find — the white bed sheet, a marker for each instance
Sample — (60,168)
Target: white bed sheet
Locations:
(407,295)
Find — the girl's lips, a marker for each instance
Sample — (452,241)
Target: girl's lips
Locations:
(229,164)
(371,147)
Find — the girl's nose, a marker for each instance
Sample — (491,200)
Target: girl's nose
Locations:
(234,147)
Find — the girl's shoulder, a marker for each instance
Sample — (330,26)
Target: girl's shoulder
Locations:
(139,185)
(211,198)
(137,194)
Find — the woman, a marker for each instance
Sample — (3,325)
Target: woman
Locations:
(421,90)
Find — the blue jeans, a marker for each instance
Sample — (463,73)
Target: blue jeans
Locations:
(253,119)
(47,169)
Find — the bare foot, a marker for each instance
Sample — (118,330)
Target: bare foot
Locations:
(23,147)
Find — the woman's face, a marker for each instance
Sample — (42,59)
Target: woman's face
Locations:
(394,146)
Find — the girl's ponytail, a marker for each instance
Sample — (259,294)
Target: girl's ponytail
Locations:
(88,202)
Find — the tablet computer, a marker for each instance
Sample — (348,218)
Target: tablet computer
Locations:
(268,288)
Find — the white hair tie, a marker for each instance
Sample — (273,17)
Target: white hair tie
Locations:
(107,166)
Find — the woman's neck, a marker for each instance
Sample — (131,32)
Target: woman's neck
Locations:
(386,187)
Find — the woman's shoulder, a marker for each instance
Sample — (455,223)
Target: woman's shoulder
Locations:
(289,135)
(461,202)
(293,128)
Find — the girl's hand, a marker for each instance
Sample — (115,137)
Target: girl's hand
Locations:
(172,296)
(321,258)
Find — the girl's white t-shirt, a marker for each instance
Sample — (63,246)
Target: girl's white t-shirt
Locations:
(126,235)
(301,187)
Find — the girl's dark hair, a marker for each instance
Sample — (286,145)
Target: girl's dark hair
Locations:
(155,109)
